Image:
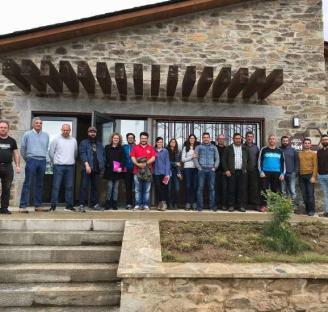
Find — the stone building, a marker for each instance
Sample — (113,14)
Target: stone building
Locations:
(173,68)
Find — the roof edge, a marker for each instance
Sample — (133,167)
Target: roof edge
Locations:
(106,22)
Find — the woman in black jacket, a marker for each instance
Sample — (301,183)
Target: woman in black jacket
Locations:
(113,169)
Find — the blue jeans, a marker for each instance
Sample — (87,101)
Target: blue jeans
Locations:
(323,180)
(142,191)
(34,170)
(112,190)
(203,175)
(190,179)
(174,186)
(288,187)
(65,174)
(84,188)
(307,189)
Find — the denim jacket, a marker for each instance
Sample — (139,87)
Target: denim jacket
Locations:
(86,154)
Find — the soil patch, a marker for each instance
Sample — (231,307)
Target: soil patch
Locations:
(236,242)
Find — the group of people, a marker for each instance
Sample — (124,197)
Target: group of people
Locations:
(237,176)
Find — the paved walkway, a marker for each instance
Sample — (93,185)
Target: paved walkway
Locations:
(179,215)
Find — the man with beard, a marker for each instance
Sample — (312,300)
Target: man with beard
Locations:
(92,154)
(308,175)
(323,169)
(291,161)
(236,161)
(128,169)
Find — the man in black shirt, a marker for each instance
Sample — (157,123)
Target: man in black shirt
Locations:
(323,170)
(221,179)
(8,152)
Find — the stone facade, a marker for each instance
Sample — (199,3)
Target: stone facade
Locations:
(271,34)
(224,295)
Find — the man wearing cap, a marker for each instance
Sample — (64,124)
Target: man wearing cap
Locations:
(92,154)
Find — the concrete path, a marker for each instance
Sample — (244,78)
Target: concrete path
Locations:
(179,215)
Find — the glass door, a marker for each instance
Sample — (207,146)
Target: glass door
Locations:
(105,126)
(52,125)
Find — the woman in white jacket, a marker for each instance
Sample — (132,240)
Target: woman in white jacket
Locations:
(190,171)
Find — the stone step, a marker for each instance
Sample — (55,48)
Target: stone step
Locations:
(59,294)
(62,309)
(53,254)
(62,225)
(57,272)
(53,238)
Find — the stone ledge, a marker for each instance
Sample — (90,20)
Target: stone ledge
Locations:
(141,258)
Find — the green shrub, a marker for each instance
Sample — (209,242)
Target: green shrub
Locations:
(278,233)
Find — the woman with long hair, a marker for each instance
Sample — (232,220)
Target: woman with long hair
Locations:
(161,174)
(190,171)
(174,184)
(113,169)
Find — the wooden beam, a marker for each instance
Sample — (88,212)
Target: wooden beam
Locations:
(103,77)
(12,71)
(189,80)
(255,83)
(272,82)
(172,80)
(32,74)
(138,79)
(204,81)
(155,80)
(121,80)
(85,75)
(50,75)
(238,82)
(221,82)
(68,75)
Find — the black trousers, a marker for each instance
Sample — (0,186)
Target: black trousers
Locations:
(6,176)
(161,189)
(236,189)
(270,182)
(128,179)
(221,187)
(253,188)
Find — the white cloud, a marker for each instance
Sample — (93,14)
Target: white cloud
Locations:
(21,15)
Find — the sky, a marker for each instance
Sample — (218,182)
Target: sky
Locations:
(21,15)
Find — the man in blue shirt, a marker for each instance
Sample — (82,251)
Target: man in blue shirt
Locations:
(271,165)
(34,150)
(207,161)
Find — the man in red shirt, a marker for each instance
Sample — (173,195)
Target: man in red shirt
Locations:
(142,155)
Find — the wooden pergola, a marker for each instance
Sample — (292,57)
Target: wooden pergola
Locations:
(28,75)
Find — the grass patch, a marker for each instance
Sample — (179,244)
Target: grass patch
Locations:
(244,242)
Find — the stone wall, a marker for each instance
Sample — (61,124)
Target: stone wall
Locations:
(224,295)
(148,284)
(273,34)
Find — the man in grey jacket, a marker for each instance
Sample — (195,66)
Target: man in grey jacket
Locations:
(34,150)
(206,161)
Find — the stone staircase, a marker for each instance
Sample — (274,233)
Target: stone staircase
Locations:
(60,265)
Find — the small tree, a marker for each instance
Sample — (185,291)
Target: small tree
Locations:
(278,233)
